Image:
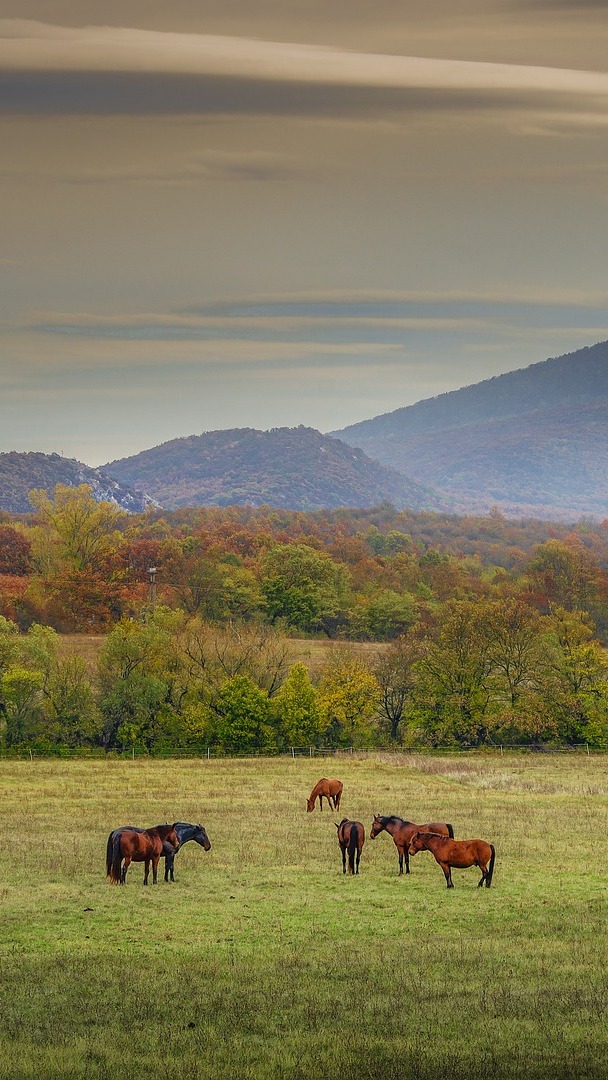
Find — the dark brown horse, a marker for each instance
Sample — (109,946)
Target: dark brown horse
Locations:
(402,832)
(459,853)
(351,838)
(129,845)
(325,789)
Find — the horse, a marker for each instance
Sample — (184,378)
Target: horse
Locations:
(402,832)
(459,853)
(127,845)
(351,838)
(325,789)
(185,832)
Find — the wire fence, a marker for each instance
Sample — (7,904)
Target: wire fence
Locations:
(294,752)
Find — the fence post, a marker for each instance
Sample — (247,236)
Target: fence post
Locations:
(208,752)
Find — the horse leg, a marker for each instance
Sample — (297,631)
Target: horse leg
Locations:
(406,853)
(125,867)
(484,873)
(343,846)
(400,850)
(155,862)
(358,860)
(147,872)
(448,874)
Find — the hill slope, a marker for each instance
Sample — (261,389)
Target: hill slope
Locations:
(293,468)
(21,472)
(533,440)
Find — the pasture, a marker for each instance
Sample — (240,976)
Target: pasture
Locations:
(264,961)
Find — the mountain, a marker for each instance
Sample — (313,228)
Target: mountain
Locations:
(293,468)
(20,473)
(534,440)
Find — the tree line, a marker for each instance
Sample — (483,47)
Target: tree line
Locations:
(475,673)
(491,630)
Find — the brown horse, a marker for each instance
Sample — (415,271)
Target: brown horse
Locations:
(351,838)
(325,789)
(402,832)
(459,853)
(133,845)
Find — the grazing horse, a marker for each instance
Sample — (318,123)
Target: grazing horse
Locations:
(325,789)
(129,845)
(351,838)
(402,832)
(460,853)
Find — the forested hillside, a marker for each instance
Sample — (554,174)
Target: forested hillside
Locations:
(531,441)
(296,468)
(20,473)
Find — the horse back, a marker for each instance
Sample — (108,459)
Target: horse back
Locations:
(438,827)
(140,845)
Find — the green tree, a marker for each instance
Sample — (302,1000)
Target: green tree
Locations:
(455,688)
(297,708)
(305,588)
(21,694)
(243,718)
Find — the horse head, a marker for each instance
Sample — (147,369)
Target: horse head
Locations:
(201,838)
(377,826)
(417,843)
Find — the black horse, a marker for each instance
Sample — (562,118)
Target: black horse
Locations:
(185,832)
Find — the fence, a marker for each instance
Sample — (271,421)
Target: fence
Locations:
(216,753)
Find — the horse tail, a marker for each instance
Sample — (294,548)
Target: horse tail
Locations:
(491,866)
(450,829)
(109,855)
(116,860)
(352,846)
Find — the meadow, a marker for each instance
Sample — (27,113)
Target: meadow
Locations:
(264,961)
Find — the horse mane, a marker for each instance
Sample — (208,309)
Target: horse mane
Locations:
(395,818)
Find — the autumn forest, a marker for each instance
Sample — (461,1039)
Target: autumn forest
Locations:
(480,630)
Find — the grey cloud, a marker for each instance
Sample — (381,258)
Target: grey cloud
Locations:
(110,71)
(130,94)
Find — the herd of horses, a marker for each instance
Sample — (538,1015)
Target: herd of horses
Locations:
(436,837)
(129,843)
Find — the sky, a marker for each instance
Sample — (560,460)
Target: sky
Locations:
(264,213)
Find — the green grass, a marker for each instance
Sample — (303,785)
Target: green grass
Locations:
(262,960)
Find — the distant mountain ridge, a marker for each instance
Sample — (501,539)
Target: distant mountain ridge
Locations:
(292,468)
(531,441)
(21,472)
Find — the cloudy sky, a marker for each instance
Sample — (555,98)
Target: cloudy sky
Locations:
(272,212)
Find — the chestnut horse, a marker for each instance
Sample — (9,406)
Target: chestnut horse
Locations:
(325,789)
(351,838)
(459,853)
(129,845)
(402,832)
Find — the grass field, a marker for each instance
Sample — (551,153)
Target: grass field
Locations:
(314,652)
(262,960)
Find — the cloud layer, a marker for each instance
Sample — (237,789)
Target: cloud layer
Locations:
(46,68)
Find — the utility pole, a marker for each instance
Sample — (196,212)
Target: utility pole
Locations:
(152,573)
